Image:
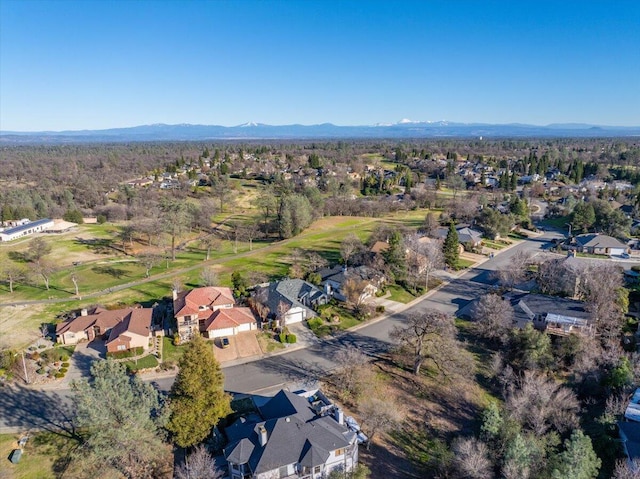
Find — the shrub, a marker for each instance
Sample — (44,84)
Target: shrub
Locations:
(167,365)
(63,370)
(380,308)
(41,371)
(291,338)
(35,355)
(129,353)
(59,375)
(282,337)
(65,365)
(101,219)
(42,346)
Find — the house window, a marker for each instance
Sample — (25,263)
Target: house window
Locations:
(121,347)
(339,452)
(316,470)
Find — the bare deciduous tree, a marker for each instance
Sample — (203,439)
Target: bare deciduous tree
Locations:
(198,465)
(471,459)
(208,277)
(44,268)
(149,260)
(430,336)
(355,291)
(425,257)
(379,415)
(539,403)
(515,271)
(349,247)
(624,470)
(12,273)
(210,242)
(493,316)
(351,371)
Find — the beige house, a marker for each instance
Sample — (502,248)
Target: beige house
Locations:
(123,328)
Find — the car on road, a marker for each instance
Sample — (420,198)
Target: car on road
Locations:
(224,342)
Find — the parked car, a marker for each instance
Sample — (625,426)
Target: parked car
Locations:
(225,342)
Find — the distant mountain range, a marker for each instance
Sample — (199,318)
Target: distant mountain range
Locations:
(257,131)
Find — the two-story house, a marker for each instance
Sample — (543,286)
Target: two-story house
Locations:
(290,437)
(210,311)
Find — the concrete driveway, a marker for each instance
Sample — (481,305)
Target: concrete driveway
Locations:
(242,345)
(83,356)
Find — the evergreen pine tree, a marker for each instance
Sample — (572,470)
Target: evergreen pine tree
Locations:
(198,400)
(450,247)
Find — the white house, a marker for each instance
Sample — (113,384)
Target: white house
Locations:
(26,229)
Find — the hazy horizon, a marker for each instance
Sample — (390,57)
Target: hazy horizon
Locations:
(93,65)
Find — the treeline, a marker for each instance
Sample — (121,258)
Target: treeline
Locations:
(47,181)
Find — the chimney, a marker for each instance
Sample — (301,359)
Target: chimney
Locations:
(174,293)
(84,312)
(262,435)
(338,415)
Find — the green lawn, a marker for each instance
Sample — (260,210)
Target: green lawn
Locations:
(39,456)
(399,294)
(171,352)
(146,362)
(464,263)
(560,222)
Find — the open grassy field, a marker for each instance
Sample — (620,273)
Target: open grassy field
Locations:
(116,280)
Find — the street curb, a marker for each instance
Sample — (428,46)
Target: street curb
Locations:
(251,359)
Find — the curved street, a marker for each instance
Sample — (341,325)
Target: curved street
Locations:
(24,407)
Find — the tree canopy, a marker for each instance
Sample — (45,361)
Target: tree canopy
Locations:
(198,400)
(120,418)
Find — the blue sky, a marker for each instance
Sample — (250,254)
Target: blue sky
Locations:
(102,64)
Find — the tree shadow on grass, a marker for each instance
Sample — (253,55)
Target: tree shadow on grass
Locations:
(110,270)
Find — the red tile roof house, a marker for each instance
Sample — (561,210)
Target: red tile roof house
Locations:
(126,328)
(212,312)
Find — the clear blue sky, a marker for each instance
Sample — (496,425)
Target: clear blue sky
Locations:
(102,64)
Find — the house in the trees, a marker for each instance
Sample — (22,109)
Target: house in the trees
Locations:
(210,311)
(467,237)
(554,315)
(122,329)
(594,243)
(334,279)
(291,436)
(290,300)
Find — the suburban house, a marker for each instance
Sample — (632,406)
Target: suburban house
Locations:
(290,299)
(25,228)
(559,316)
(210,311)
(123,328)
(594,243)
(333,280)
(467,237)
(293,436)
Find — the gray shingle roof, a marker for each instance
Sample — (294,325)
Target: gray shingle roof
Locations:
(295,434)
(292,292)
(595,240)
(540,304)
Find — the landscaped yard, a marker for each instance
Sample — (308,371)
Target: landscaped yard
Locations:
(399,294)
(146,362)
(170,352)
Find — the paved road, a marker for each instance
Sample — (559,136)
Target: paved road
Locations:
(26,407)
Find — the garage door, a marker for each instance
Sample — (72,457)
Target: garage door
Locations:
(295,317)
(616,251)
